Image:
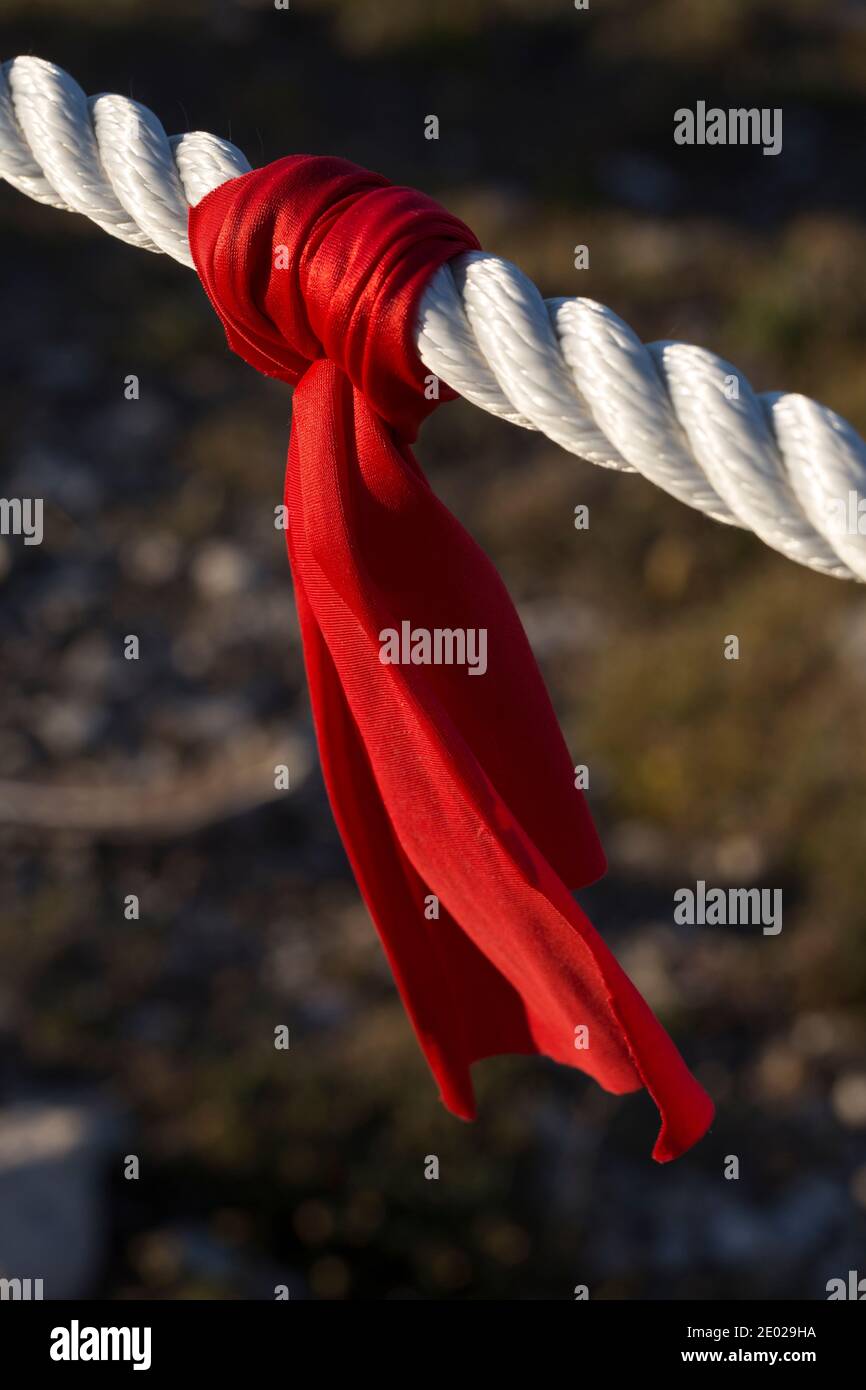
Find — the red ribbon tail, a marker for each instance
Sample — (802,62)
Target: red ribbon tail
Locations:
(453,790)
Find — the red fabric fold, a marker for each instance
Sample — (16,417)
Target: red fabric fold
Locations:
(448,787)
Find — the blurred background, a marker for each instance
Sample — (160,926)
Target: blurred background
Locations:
(154,1037)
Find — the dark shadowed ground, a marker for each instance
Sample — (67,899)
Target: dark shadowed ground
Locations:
(154,1037)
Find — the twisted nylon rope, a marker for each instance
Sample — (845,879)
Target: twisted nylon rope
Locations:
(778,464)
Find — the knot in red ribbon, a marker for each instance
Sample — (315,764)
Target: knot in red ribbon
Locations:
(313,257)
(447,773)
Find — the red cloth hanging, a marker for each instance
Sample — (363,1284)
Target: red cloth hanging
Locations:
(442,782)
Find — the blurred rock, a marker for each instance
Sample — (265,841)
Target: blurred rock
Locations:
(220,569)
(52,1209)
(849,1099)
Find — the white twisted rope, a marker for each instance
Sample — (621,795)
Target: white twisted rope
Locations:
(792,471)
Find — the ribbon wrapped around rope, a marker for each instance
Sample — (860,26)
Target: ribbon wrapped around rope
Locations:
(451,783)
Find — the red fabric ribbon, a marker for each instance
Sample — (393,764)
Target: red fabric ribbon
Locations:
(442,782)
